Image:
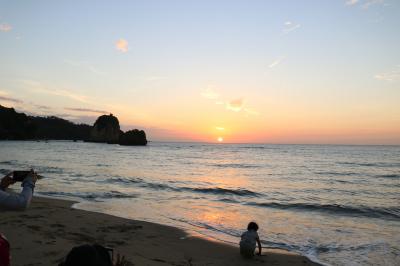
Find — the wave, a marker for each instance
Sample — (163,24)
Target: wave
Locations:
(342,181)
(207,190)
(8,162)
(5,171)
(235,165)
(207,226)
(389,176)
(254,147)
(49,170)
(228,200)
(378,164)
(333,173)
(90,196)
(224,191)
(123,180)
(336,173)
(391,212)
(102,165)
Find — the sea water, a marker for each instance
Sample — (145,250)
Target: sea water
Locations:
(336,204)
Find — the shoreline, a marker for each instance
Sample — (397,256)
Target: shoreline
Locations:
(46,232)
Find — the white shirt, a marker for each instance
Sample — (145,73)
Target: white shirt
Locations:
(248,239)
(12,201)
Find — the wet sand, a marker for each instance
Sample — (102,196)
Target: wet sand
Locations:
(46,232)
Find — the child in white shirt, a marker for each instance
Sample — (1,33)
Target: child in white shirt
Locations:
(248,241)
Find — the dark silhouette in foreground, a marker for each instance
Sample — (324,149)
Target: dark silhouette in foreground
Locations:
(4,251)
(92,255)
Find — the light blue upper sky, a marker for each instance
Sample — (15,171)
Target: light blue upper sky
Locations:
(330,54)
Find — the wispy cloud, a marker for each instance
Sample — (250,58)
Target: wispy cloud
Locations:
(42,107)
(391,75)
(250,111)
(235,105)
(5,27)
(84,65)
(289,26)
(276,62)
(37,87)
(365,4)
(220,128)
(86,110)
(10,99)
(65,93)
(369,3)
(4,96)
(239,105)
(122,45)
(210,93)
(351,2)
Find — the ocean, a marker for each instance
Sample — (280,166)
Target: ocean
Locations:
(339,205)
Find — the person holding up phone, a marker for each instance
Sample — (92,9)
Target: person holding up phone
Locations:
(21,201)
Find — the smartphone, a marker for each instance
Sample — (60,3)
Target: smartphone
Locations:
(19,176)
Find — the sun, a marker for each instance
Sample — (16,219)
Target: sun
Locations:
(220,139)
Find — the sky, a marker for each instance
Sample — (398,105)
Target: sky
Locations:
(322,71)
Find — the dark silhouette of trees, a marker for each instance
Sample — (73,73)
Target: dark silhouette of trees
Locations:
(15,126)
(19,126)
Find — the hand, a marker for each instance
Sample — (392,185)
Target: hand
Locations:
(33,176)
(6,181)
(121,261)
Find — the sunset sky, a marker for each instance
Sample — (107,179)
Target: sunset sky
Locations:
(242,71)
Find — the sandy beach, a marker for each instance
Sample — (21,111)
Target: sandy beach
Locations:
(43,235)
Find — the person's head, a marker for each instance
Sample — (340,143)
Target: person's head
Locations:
(252,226)
(4,251)
(88,255)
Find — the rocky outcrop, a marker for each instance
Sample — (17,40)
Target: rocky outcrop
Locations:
(133,138)
(105,129)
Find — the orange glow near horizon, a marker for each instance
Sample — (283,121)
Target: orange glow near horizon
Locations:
(201,120)
(302,129)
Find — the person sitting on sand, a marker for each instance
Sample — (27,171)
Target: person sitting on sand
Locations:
(248,241)
(92,255)
(21,201)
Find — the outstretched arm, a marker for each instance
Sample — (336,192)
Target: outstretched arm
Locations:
(259,246)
